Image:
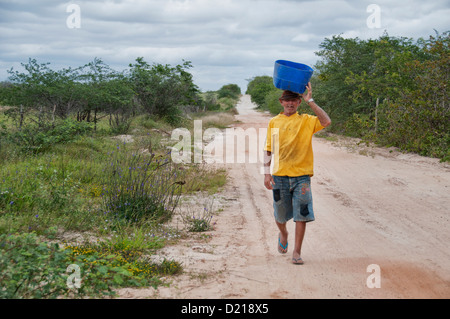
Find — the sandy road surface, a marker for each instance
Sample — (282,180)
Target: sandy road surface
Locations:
(372,206)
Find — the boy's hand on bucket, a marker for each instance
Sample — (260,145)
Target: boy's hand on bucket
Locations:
(308,95)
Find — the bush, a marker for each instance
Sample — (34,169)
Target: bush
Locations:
(401,83)
(227,103)
(271,101)
(119,265)
(210,99)
(139,187)
(30,268)
(162,89)
(34,269)
(359,125)
(258,88)
(230,90)
(197,218)
(39,138)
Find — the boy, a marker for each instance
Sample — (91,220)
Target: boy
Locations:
(289,137)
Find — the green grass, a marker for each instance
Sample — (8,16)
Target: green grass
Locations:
(61,190)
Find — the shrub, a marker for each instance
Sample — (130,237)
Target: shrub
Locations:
(129,253)
(39,138)
(359,125)
(197,218)
(35,269)
(226,103)
(271,101)
(230,90)
(162,89)
(258,88)
(30,268)
(139,187)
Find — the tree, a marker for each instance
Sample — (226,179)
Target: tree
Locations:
(393,90)
(340,58)
(161,89)
(229,90)
(258,87)
(43,89)
(101,89)
(419,119)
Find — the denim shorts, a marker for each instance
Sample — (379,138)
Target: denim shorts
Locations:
(292,198)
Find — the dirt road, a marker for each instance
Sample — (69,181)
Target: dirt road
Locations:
(373,206)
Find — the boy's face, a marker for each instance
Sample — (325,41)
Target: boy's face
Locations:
(290,106)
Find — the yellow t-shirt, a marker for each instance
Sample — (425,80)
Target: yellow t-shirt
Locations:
(293,134)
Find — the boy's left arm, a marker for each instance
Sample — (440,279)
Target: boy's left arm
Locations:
(323,117)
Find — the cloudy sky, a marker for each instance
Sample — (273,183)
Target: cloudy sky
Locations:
(227,41)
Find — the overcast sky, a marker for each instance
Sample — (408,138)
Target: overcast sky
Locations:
(227,41)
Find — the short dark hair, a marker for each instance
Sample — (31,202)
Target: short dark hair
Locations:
(289,95)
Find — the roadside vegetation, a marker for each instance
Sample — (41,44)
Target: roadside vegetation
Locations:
(392,91)
(87,184)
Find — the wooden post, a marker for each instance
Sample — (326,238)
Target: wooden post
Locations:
(21,117)
(376,114)
(95,120)
(53,115)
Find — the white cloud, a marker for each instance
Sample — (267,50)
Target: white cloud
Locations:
(228,41)
(304,37)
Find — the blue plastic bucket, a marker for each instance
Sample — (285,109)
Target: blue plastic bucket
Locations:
(291,76)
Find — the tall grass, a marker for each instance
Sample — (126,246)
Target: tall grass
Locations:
(139,187)
(90,184)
